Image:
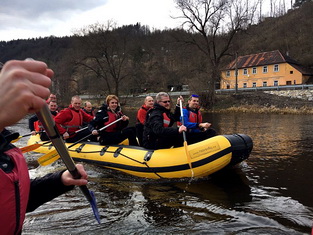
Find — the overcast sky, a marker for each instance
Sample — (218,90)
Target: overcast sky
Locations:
(22,19)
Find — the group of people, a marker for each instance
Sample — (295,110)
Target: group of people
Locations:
(27,83)
(154,123)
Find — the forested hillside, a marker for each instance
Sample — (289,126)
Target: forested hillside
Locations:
(132,58)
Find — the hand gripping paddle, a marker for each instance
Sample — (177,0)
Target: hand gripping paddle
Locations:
(47,121)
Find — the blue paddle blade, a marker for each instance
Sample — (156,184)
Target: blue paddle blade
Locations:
(94,207)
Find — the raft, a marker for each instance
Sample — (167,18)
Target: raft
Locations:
(207,157)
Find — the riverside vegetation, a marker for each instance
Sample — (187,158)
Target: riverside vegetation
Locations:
(247,102)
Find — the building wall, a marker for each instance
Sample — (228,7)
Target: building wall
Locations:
(286,75)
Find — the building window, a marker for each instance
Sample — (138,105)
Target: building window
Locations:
(244,85)
(275,83)
(227,73)
(288,82)
(254,70)
(227,86)
(245,71)
(264,69)
(294,82)
(254,84)
(276,68)
(264,83)
(291,72)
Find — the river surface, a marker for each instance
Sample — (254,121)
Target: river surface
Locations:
(270,193)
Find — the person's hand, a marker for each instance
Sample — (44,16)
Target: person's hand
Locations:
(95,132)
(33,133)
(125,118)
(182,128)
(66,135)
(23,87)
(205,125)
(67,178)
(180,98)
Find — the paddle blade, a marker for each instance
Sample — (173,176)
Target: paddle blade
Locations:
(48,158)
(13,141)
(30,148)
(94,207)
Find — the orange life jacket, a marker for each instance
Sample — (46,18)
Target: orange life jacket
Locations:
(166,120)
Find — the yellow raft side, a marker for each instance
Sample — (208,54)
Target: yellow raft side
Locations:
(207,157)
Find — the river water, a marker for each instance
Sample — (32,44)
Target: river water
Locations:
(270,193)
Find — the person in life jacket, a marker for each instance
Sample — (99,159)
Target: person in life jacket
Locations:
(35,125)
(141,117)
(89,110)
(69,121)
(196,129)
(158,131)
(116,133)
(26,81)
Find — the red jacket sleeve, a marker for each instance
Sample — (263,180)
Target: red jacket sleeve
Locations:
(141,115)
(86,117)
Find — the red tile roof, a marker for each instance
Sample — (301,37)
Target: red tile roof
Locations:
(260,59)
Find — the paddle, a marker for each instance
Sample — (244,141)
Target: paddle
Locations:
(53,155)
(47,121)
(185,139)
(21,136)
(32,147)
(101,129)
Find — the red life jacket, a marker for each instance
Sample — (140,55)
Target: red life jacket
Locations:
(76,122)
(38,126)
(193,117)
(14,192)
(112,117)
(166,120)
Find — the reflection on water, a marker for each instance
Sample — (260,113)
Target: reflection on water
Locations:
(270,193)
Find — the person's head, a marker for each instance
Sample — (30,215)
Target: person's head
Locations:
(52,97)
(163,99)
(112,101)
(53,106)
(193,101)
(88,106)
(76,102)
(149,101)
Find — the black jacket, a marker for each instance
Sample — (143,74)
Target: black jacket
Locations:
(153,128)
(102,117)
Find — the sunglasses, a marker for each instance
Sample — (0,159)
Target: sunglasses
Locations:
(166,101)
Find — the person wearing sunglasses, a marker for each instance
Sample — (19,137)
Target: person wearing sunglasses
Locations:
(159,132)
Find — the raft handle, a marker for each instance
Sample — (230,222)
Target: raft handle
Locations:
(79,149)
(103,150)
(148,156)
(117,151)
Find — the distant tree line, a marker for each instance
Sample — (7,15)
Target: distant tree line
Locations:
(102,59)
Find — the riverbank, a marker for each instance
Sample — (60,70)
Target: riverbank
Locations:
(248,102)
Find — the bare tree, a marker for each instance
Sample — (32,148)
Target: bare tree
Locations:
(106,55)
(213,25)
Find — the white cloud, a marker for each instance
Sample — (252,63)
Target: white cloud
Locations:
(38,19)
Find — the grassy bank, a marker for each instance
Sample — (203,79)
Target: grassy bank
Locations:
(249,102)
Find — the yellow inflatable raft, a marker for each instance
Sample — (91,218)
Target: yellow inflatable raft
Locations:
(207,156)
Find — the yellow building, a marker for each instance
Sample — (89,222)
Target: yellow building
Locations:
(264,69)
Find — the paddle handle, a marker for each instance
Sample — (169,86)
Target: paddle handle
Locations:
(182,118)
